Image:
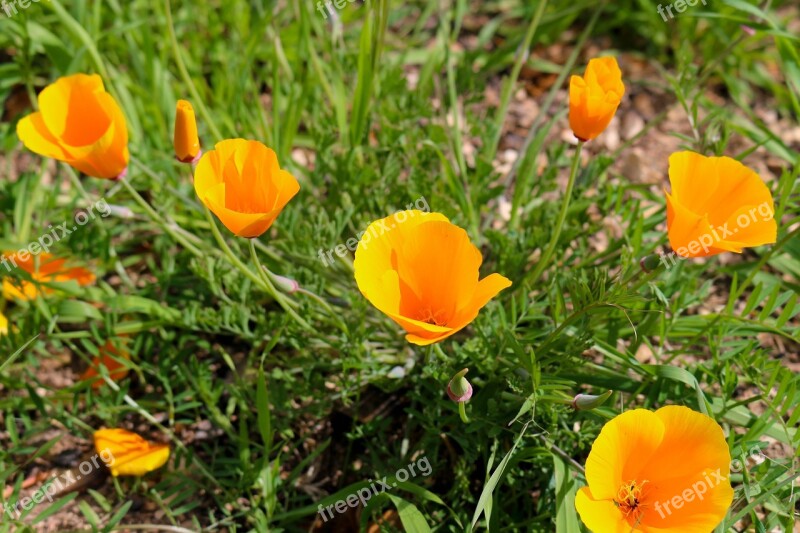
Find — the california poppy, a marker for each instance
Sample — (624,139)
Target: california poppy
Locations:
(242,183)
(664,471)
(594,98)
(185,139)
(109,356)
(43,268)
(422,271)
(81,124)
(3,324)
(717,205)
(128,454)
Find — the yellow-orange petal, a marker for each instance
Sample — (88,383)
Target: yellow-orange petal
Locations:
(716,205)
(673,473)
(3,324)
(714,186)
(753,226)
(185,139)
(248,225)
(600,516)
(438,269)
(33,133)
(127,454)
(487,288)
(374,253)
(625,444)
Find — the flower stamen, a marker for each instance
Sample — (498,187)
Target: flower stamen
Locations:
(630,499)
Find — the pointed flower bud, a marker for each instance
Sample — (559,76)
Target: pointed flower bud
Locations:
(287,285)
(185,140)
(459,389)
(586,402)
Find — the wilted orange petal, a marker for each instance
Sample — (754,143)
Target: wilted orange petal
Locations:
(127,454)
(109,357)
(48,270)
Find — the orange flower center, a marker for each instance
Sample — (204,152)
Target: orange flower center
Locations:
(429,316)
(631,499)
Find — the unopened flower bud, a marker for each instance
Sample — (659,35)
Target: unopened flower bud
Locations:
(287,285)
(120,211)
(185,139)
(650,262)
(586,402)
(459,389)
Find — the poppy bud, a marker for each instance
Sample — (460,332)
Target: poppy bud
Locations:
(459,389)
(594,98)
(587,402)
(185,140)
(650,262)
(287,285)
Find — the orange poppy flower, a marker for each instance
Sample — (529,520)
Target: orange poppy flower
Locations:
(78,123)
(422,271)
(109,356)
(43,268)
(717,205)
(594,98)
(128,454)
(665,471)
(241,182)
(185,139)
(3,324)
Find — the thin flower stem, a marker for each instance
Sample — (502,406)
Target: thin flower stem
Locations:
(187,78)
(562,216)
(226,250)
(261,280)
(159,220)
(275,293)
(439,351)
(146,527)
(326,306)
(462,412)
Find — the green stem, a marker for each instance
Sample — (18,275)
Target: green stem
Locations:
(187,79)
(275,293)
(226,250)
(462,412)
(562,216)
(511,82)
(158,219)
(325,305)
